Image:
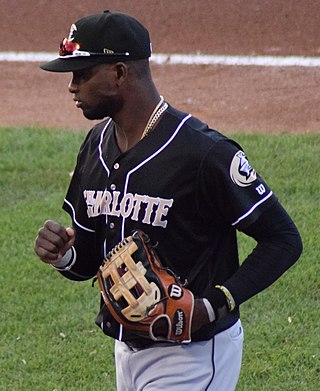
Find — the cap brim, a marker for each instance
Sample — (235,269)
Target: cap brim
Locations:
(70,64)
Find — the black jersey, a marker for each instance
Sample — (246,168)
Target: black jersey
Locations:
(187,186)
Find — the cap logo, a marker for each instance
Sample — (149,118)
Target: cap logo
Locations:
(73,28)
(108,51)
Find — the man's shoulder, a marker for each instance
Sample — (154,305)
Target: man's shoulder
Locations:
(196,127)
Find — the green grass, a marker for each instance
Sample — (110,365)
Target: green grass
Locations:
(48,337)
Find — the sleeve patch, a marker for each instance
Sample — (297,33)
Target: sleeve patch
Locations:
(241,172)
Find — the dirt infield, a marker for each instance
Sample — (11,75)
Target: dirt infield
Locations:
(252,99)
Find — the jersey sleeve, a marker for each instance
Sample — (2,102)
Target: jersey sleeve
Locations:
(231,188)
(87,259)
(74,202)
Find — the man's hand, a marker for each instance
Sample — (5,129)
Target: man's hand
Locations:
(53,241)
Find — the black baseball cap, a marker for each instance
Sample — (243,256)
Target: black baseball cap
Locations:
(106,37)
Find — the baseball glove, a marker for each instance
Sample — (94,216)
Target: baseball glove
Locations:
(142,295)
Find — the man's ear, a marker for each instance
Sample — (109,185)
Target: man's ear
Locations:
(121,72)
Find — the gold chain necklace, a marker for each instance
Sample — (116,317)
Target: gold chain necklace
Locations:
(156,114)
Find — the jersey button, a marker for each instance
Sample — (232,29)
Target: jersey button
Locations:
(111,225)
(116,166)
(113,187)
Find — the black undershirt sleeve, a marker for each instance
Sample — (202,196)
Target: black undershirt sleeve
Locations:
(278,247)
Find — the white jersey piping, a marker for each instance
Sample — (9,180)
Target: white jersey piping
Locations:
(100,147)
(74,217)
(148,159)
(252,208)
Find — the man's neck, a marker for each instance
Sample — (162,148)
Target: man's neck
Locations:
(133,121)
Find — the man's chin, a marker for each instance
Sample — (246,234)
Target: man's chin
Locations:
(93,116)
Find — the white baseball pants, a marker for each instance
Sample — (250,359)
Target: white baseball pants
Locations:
(212,365)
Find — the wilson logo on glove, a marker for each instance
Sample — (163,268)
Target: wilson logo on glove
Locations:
(175,291)
(142,295)
(179,320)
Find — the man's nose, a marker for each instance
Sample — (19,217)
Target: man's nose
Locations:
(72,87)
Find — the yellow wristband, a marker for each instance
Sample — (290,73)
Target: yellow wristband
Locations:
(228,295)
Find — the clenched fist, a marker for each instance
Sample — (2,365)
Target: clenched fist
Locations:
(53,241)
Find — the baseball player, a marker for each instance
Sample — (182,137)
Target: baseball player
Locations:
(150,167)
